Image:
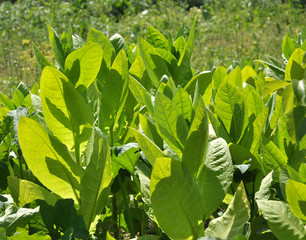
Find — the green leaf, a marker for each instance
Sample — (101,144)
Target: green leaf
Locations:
(128,158)
(141,94)
(235,77)
(219,76)
(139,72)
(264,192)
(41,60)
(155,65)
(118,42)
(255,103)
(83,65)
(176,200)
(283,224)
(66,113)
(197,141)
(288,47)
(25,192)
(94,36)
(255,132)
(296,123)
(156,39)
(294,65)
(57,47)
(18,98)
(97,178)
(24,234)
(299,88)
(16,217)
(49,160)
(232,222)
(184,61)
(183,103)
(115,91)
(203,79)
(288,99)
(7,102)
(149,148)
(169,124)
(227,97)
(276,157)
(273,85)
(216,175)
(296,197)
(149,129)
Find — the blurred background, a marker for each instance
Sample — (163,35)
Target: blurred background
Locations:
(227,30)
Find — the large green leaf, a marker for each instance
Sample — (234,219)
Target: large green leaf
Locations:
(139,72)
(218,77)
(273,85)
(66,113)
(232,222)
(170,125)
(216,175)
(197,141)
(83,65)
(203,79)
(149,148)
(283,224)
(176,200)
(49,160)
(156,39)
(25,192)
(97,178)
(115,91)
(141,94)
(154,63)
(296,197)
(235,77)
(227,99)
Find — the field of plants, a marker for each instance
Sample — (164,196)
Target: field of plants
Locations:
(122,140)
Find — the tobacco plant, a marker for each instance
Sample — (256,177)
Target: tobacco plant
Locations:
(129,141)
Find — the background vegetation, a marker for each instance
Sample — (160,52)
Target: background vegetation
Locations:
(227,30)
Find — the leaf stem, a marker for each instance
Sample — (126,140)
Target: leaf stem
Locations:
(114,216)
(126,205)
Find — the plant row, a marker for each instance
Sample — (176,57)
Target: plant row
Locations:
(129,141)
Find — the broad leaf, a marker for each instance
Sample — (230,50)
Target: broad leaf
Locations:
(176,200)
(25,192)
(16,217)
(49,160)
(216,175)
(283,224)
(66,113)
(155,65)
(227,98)
(275,156)
(149,148)
(115,91)
(296,197)
(156,39)
(83,65)
(170,125)
(183,103)
(141,94)
(197,141)
(97,178)
(288,46)
(232,222)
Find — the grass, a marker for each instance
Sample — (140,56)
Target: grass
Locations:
(227,30)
